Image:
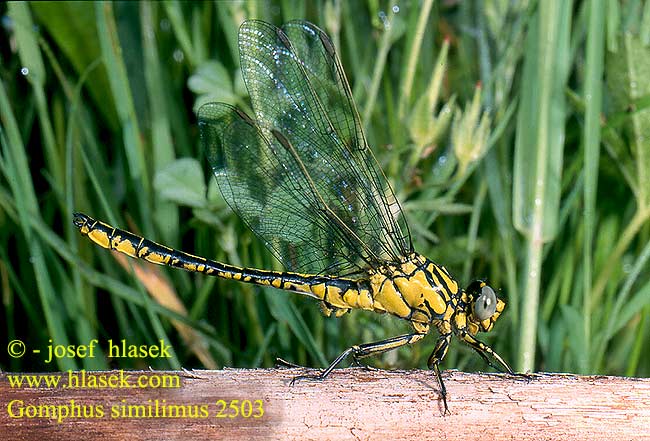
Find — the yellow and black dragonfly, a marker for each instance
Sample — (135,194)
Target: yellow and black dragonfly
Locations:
(301,175)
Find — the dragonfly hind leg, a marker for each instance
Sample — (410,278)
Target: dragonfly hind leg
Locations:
(365,350)
(282,363)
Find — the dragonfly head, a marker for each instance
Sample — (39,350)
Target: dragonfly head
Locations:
(483,307)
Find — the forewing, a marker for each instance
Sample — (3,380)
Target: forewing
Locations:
(298,88)
(323,68)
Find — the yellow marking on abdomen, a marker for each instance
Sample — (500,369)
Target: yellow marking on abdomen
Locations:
(334,297)
(124,246)
(298,287)
(359,299)
(100,238)
(190,266)
(157,258)
(319,290)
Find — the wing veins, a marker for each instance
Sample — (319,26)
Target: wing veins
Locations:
(312,190)
(331,214)
(286,42)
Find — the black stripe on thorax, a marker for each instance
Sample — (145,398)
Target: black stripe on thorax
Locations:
(438,274)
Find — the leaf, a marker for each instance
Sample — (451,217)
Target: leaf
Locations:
(285,311)
(182,182)
(571,318)
(30,54)
(72,27)
(541,122)
(627,75)
(212,82)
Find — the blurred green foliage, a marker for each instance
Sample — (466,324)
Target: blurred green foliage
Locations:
(515,134)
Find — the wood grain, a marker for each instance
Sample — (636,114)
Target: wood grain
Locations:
(355,404)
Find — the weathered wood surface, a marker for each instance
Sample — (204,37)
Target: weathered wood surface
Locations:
(353,404)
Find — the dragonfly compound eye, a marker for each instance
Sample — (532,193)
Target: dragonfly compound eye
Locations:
(486,304)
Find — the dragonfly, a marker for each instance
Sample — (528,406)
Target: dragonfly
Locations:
(302,177)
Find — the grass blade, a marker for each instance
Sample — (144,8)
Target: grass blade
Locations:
(538,154)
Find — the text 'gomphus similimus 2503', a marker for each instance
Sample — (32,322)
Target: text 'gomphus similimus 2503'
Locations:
(302,177)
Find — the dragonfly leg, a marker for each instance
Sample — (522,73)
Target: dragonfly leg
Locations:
(435,359)
(357,363)
(282,363)
(365,350)
(483,349)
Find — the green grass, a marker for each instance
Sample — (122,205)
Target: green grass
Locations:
(539,179)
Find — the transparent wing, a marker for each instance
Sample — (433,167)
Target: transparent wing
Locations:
(265,184)
(301,174)
(315,51)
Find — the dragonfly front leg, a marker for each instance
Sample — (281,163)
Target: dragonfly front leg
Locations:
(483,349)
(365,350)
(435,359)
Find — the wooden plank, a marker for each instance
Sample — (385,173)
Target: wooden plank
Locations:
(352,403)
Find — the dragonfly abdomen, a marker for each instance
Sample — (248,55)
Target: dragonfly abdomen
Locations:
(336,292)
(413,291)
(138,247)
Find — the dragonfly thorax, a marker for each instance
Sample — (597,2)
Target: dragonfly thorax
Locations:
(424,293)
(416,289)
